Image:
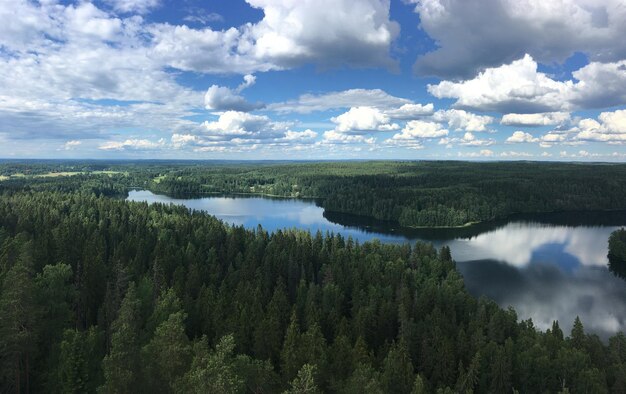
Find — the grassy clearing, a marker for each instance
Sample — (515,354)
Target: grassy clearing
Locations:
(159,178)
(56,174)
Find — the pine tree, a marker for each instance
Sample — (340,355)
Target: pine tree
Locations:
(304,383)
(398,373)
(578,334)
(291,357)
(168,355)
(19,321)
(121,365)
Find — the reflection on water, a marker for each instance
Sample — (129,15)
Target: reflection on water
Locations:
(547,267)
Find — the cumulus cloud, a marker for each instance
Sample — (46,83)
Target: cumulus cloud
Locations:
(536,120)
(468,139)
(328,33)
(77,71)
(306,135)
(521,137)
(235,129)
(415,131)
(508,88)
(308,103)
(69,145)
(460,120)
(132,144)
(335,137)
(411,111)
(609,127)
(240,124)
(421,129)
(359,120)
(519,88)
(498,31)
(220,98)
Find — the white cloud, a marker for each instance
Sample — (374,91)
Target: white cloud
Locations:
(73,144)
(335,137)
(515,154)
(518,87)
(421,129)
(536,120)
(233,124)
(497,31)
(234,131)
(328,33)
(414,132)
(308,103)
(220,98)
(515,86)
(460,120)
(181,140)
(411,111)
(358,120)
(132,144)
(521,137)
(610,127)
(78,71)
(201,16)
(306,135)
(481,153)
(468,139)
(134,6)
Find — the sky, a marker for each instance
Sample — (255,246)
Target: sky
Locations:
(313,79)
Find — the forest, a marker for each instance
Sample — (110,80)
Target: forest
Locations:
(410,193)
(100,295)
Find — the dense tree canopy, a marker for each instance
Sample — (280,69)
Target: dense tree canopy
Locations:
(102,295)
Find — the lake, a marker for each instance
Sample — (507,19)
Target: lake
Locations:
(548,267)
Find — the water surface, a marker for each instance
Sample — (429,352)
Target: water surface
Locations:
(548,267)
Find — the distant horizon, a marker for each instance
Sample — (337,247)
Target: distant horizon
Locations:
(314,79)
(485,160)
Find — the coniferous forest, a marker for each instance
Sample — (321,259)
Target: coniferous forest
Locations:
(102,295)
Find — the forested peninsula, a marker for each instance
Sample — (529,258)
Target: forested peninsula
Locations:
(102,295)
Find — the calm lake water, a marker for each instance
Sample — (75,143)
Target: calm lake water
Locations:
(548,267)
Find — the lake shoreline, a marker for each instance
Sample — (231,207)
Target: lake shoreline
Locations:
(382,222)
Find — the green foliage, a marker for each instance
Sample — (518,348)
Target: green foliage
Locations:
(78,368)
(213,372)
(304,383)
(121,365)
(617,253)
(162,299)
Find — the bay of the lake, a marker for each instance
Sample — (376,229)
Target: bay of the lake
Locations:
(548,267)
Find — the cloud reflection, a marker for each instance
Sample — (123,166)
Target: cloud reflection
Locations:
(516,243)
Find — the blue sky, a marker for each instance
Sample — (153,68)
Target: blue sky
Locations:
(314,79)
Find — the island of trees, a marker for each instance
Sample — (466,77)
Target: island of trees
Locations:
(102,295)
(617,253)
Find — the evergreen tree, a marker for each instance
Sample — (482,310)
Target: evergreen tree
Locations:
(19,324)
(398,373)
(304,383)
(121,365)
